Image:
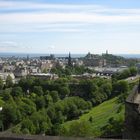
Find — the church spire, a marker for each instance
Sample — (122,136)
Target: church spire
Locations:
(106,51)
(69,60)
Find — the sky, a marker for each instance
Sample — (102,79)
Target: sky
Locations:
(76,26)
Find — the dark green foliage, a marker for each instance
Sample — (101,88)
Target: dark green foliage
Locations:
(120,87)
(132,71)
(41,122)
(1,83)
(40,102)
(10,115)
(71,70)
(114,127)
(77,129)
(64,92)
(114,60)
(28,127)
(35,106)
(38,90)
(54,95)
(9,81)
(26,107)
(17,92)
(27,83)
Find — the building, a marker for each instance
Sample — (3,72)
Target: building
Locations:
(92,60)
(20,72)
(51,57)
(48,76)
(4,76)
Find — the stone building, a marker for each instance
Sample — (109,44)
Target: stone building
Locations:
(132,115)
(94,60)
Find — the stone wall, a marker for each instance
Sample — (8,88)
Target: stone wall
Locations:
(37,137)
(132,117)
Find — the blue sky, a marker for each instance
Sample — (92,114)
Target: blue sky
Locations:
(76,26)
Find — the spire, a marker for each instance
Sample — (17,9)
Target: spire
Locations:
(106,51)
(69,60)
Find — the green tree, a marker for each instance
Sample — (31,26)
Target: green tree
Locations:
(1,83)
(9,81)
(64,92)
(38,90)
(78,129)
(54,95)
(28,125)
(10,115)
(17,92)
(113,127)
(120,87)
(40,102)
(133,71)
(106,88)
(41,121)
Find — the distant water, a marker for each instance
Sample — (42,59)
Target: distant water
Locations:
(24,55)
(130,55)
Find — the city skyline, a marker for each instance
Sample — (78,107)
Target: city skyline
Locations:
(58,26)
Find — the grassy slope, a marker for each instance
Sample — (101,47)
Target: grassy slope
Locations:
(100,114)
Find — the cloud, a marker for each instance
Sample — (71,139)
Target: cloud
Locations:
(12,46)
(38,5)
(8,44)
(22,18)
(60,17)
(51,47)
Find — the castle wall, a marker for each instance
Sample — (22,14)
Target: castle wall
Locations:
(132,118)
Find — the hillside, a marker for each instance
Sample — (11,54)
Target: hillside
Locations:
(100,115)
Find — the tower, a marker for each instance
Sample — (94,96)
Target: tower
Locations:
(28,57)
(69,60)
(106,51)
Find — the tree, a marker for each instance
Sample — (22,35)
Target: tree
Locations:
(106,88)
(27,83)
(10,115)
(41,121)
(38,90)
(124,74)
(113,127)
(26,107)
(16,92)
(28,125)
(133,71)
(64,92)
(54,95)
(120,87)
(1,83)
(78,129)
(9,81)
(48,100)
(40,102)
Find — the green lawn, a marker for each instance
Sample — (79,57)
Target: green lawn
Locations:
(100,115)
